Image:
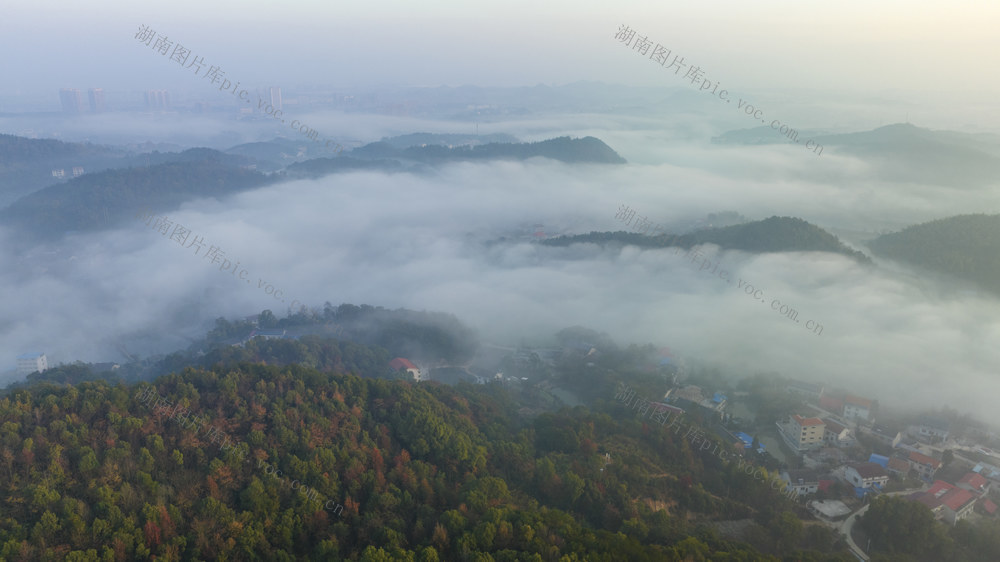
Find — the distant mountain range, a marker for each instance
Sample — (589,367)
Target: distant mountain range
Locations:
(902,152)
(160,181)
(775,234)
(964,246)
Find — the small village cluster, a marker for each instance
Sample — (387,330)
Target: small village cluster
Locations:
(840,446)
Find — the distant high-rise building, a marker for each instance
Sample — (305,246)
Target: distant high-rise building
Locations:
(96,96)
(157,99)
(72,101)
(275,94)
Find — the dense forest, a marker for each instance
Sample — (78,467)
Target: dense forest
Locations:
(965,246)
(285,462)
(774,234)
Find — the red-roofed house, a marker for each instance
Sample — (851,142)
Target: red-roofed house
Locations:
(403,364)
(939,488)
(924,465)
(958,504)
(974,483)
(802,433)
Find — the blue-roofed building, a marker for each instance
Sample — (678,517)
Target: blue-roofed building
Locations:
(748,441)
(879,460)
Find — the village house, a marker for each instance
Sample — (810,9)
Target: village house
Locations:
(924,465)
(403,364)
(866,477)
(802,434)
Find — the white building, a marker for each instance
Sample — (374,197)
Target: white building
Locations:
(803,481)
(857,407)
(866,475)
(28,363)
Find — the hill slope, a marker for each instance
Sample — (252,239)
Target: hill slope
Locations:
(774,234)
(966,246)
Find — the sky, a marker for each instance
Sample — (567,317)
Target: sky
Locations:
(938,56)
(417,241)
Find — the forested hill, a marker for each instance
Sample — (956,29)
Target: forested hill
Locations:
(775,234)
(108,198)
(390,471)
(26,165)
(565,149)
(966,246)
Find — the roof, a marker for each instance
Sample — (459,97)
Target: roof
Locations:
(957,498)
(667,408)
(869,470)
(880,460)
(858,401)
(989,506)
(807,421)
(831,403)
(898,465)
(974,480)
(939,488)
(834,426)
(33,355)
(927,499)
(924,459)
(933,422)
(806,476)
(401,363)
